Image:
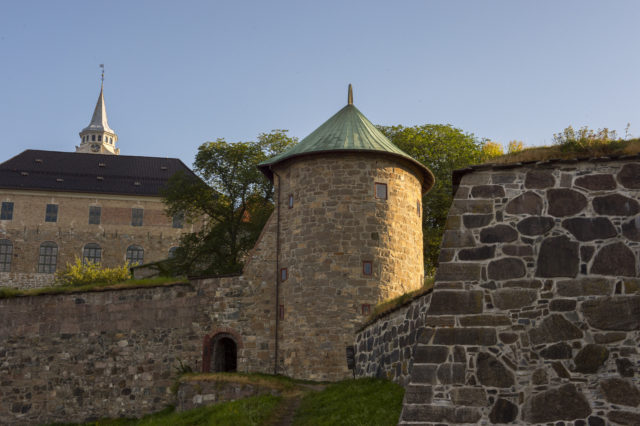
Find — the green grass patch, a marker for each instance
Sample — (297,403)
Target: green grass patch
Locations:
(390,305)
(251,411)
(279,382)
(370,402)
(6,293)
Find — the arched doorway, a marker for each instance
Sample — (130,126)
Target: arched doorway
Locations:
(225,353)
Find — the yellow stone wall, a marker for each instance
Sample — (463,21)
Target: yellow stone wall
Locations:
(336,223)
(28,229)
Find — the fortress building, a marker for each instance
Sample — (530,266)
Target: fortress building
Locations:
(93,204)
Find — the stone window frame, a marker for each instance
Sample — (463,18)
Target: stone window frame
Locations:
(366,263)
(290,203)
(48,257)
(51,213)
(381,185)
(177,221)
(365,309)
(284,274)
(134,254)
(95,215)
(6,255)
(6,212)
(91,252)
(137,216)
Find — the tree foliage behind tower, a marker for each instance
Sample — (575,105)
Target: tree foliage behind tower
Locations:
(442,148)
(233,196)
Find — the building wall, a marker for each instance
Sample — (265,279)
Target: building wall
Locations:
(28,230)
(335,224)
(536,304)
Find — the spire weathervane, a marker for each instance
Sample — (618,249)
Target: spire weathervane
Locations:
(350,96)
(102,77)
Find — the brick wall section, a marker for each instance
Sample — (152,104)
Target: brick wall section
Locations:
(536,304)
(385,347)
(335,224)
(28,230)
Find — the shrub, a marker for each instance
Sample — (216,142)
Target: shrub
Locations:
(79,273)
(585,140)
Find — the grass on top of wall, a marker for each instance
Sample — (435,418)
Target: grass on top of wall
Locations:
(251,411)
(371,402)
(570,151)
(7,292)
(390,305)
(280,382)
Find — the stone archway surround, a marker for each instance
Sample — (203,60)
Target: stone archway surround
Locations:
(207,350)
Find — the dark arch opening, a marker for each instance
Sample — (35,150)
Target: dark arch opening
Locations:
(225,354)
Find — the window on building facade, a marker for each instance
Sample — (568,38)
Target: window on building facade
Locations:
(93,137)
(281,312)
(366,309)
(136,216)
(367,267)
(290,201)
(51,214)
(283,274)
(94,215)
(99,138)
(6,253)
(381,191)
(48,257)
(178,220)
(7,211)
(172,252)
(135,255)
(418,208)
(91,252)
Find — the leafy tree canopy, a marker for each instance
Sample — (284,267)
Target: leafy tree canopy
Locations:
(232,194)
(442,148)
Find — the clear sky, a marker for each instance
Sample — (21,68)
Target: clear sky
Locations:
(179,73)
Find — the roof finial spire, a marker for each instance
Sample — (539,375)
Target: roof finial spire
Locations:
(350,96)
(102,76)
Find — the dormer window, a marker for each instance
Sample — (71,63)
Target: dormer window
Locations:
(38,160)
(102,164)
(24,173)
(163,167)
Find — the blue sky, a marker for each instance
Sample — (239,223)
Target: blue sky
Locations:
(181,73)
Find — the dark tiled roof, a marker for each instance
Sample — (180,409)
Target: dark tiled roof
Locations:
(97,173)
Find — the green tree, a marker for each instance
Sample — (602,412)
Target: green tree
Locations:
(233,196)
(442,148)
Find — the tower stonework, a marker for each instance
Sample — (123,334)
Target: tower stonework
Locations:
(349,235)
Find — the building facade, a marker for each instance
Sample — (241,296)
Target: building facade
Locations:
(93,204)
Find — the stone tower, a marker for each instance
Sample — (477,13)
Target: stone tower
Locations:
(349,235)
(98,137)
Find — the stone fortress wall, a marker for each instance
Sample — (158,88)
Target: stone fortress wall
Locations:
(536,304)
(27,230)
(334,225)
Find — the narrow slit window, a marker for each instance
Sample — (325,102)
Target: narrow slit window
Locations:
(51,214)
(290,201)
(7,211)
(418,208)
(137,216)
(284,274)
(281,312)
(95,214)
(381,191)
(367,268)
(366,309)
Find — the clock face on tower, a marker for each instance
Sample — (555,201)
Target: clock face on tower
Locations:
(95,147)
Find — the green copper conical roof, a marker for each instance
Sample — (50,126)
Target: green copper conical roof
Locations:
(347,131)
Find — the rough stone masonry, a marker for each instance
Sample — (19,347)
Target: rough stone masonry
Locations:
(535,313)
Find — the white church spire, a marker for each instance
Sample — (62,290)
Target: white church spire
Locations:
(98,137)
